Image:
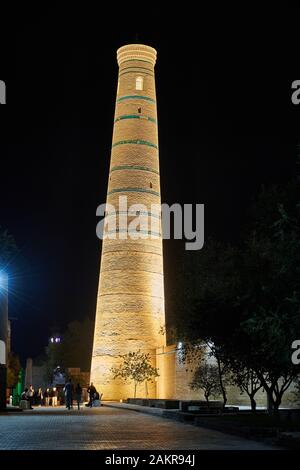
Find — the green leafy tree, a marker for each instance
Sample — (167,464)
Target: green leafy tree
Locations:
(136,367)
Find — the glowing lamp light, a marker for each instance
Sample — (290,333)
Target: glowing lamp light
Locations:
(55,339)
(3,280)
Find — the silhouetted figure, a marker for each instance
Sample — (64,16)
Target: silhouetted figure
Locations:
(54,395)
(68,389)
(78,394)
(38,397)
(91,391)
(24,395)
(30,395)
(47,397)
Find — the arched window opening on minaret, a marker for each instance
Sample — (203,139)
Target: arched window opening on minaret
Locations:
(139,110)
(150,185)
(139,83)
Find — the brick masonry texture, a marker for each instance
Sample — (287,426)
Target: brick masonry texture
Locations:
(130,303)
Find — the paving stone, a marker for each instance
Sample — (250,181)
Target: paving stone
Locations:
(108,428)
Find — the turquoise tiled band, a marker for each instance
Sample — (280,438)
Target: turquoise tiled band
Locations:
(149,214)
(136,71)
(134,167)
(135,67)
(135,116)
(137,142)
(146,232)
(133,190)
(135,97)
(137,60)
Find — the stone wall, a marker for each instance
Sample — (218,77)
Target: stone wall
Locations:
(175,377)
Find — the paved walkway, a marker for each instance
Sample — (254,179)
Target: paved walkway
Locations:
(109,428)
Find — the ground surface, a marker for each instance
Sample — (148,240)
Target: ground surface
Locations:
(109,428)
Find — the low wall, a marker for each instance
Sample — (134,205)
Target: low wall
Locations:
(175,377)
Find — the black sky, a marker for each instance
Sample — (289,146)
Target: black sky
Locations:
(226,126)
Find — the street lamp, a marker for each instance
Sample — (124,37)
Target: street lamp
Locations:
(3,280)
(3,337)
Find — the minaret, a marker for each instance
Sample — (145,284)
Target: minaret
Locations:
(130,306)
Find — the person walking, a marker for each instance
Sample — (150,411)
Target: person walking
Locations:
(30,395)
(54,395)
(39,397)
(78,394)
(91,391)
(68,389)
(47,397)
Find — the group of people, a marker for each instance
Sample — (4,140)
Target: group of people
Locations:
(70,391)
(39,398)
(50,395)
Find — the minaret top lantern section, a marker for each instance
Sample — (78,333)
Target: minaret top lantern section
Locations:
(139,52)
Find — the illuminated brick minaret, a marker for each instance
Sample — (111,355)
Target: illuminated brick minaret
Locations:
(130,305)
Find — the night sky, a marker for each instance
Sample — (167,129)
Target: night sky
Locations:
(226,126)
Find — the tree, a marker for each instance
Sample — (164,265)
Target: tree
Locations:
(136,367)
(245,299)
(13,370)
(206,378)
(223,369)
(271,336)
(206,316)
(54,358)
(78,379)
(247,381)
(77,344)
(272,304)
(297,389)
(70,351)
